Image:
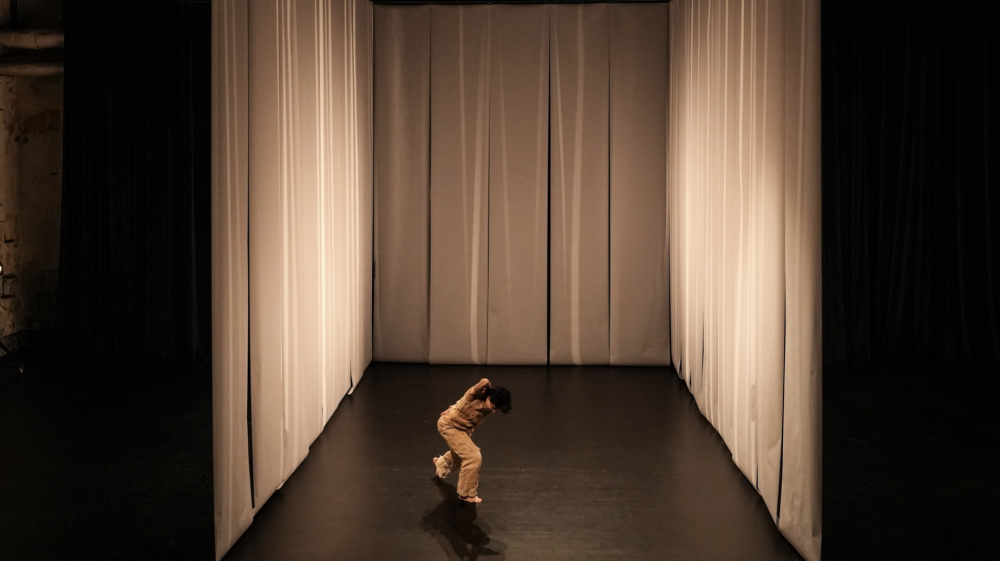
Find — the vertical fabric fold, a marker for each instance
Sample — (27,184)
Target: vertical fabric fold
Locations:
(401,125)
(578,259)
(269,110)
(770,171)
(801,476)
(459,189)
(518,181)
(230,322)
(362,59)
(639,296)
(287,278)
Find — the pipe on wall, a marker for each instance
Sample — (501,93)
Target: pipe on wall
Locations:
(30,68)
(32,39)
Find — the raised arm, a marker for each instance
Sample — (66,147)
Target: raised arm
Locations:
(477,390)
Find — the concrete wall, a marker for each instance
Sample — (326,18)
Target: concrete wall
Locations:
(31,114)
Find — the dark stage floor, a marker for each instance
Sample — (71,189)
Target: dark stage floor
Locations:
(115,462)
(105,461)
(910,458)
(593,463)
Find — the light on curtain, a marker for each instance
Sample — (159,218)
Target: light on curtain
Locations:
(744,188)
(291,243)
(639,285)
(401,109)
(514,162)
(518,185)
(460,112)
(230,276)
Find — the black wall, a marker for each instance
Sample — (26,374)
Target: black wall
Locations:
(135,278)
(911,166)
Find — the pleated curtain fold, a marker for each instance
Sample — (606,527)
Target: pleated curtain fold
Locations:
(514,163)
(517,300)
(744,221)
(459,179)
(292,223)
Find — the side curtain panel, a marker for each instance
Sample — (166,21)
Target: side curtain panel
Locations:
(365,211)
(801,480)
(230,322)
(269,109)
(294,271)
(744,188)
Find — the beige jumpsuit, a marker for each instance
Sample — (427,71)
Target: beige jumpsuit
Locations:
(456,426)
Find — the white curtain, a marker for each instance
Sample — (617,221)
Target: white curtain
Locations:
(291,236)
(519,151)
(518,185)
(639,287)
(230,277)
(401,111)
(460,134)
(578,179)
(744,188)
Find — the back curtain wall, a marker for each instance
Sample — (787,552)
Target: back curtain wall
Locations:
(520,172)
(537,201)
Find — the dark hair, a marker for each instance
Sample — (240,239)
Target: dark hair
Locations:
(499,396)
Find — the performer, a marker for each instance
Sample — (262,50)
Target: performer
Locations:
(456,425)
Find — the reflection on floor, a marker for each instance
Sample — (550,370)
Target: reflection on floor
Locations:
(593,463)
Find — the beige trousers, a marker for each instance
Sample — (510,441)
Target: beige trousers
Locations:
(462,455)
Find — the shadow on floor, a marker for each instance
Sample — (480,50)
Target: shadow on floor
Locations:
(453,524)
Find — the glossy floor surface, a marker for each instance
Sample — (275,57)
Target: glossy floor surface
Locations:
(114,461)
(592,464)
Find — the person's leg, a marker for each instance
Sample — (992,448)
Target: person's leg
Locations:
(469,460)
(446,463)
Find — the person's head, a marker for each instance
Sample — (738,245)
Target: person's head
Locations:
(499,397)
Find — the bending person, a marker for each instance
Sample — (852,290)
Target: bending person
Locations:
(456,426)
